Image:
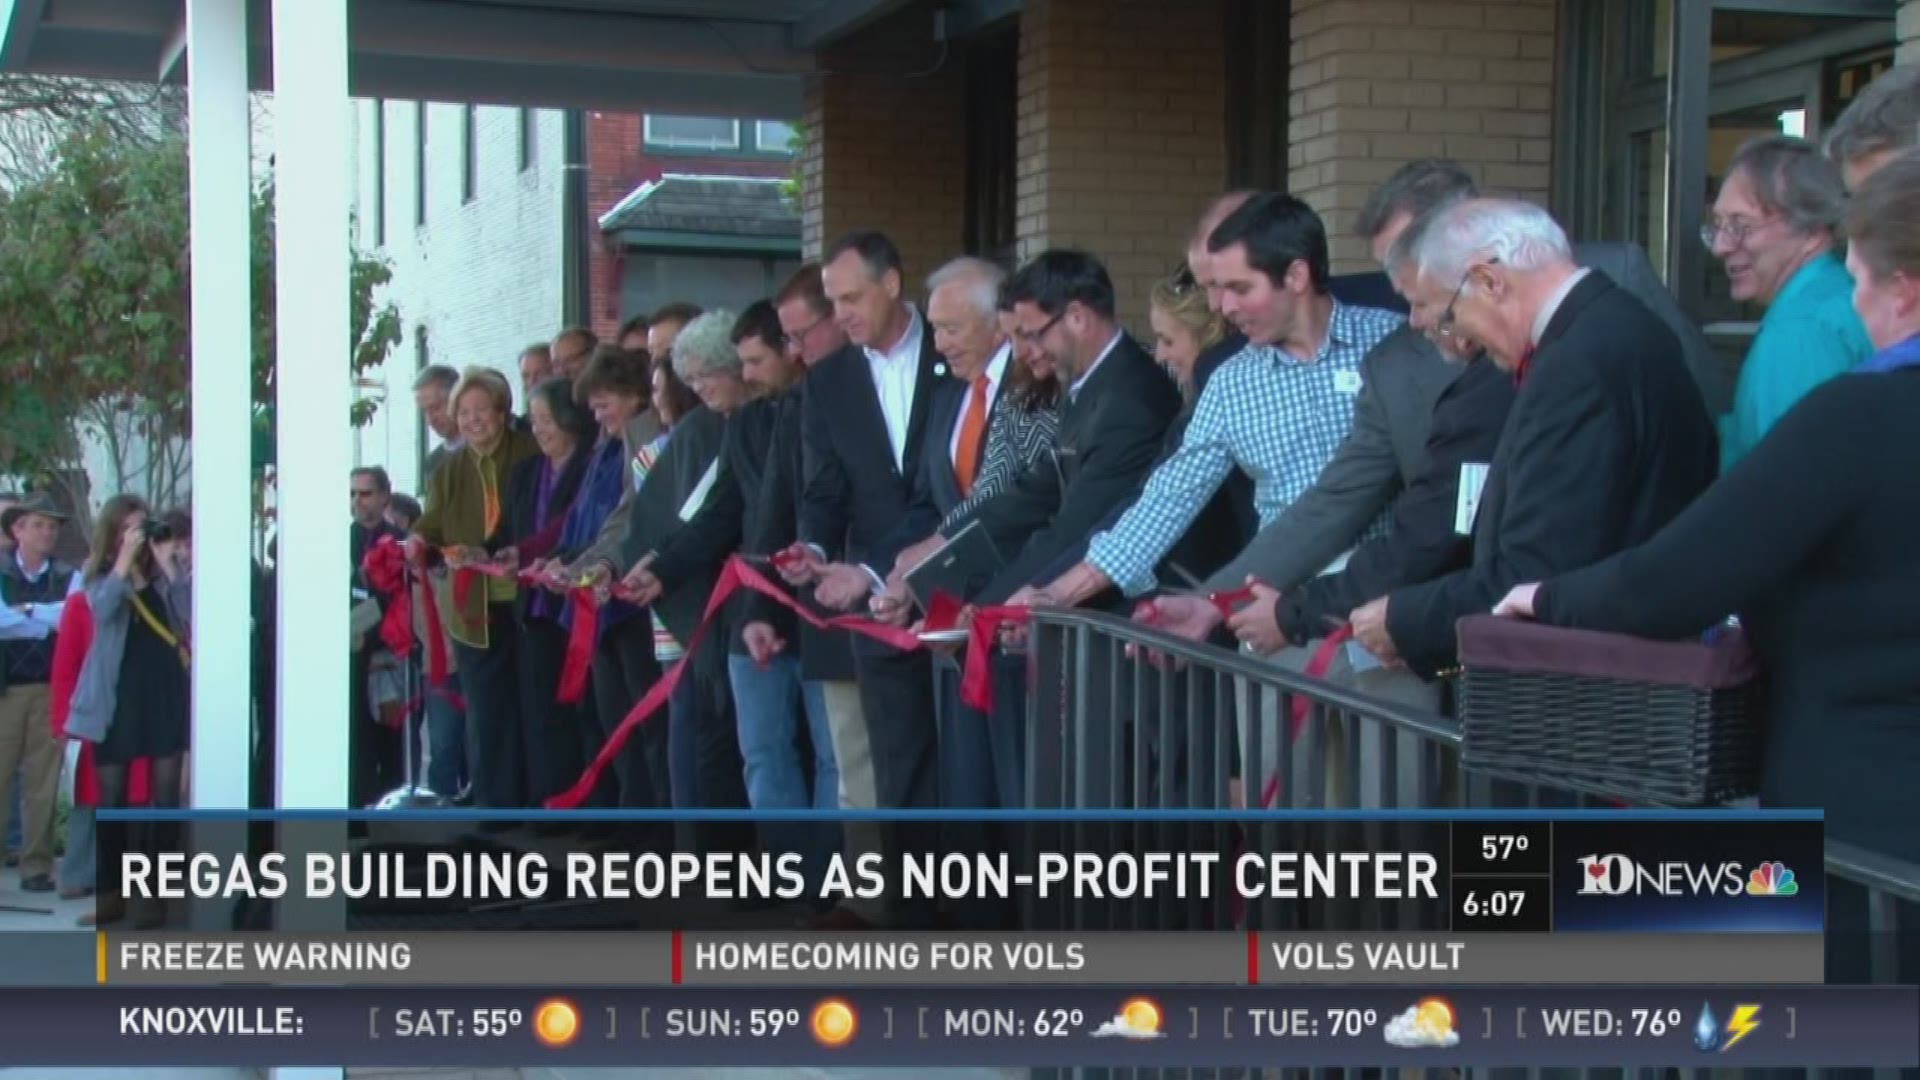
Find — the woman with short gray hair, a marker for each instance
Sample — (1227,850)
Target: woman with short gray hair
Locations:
(705,359)
(1775,227)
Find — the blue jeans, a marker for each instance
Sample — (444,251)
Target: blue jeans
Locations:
(76,866)
(447,765)
(771,702)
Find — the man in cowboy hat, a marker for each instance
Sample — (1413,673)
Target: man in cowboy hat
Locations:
(33,591)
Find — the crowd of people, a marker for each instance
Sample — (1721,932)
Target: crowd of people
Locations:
(1499,418)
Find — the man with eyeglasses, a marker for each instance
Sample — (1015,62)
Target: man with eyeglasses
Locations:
(569,353)
(1607,440)
(1774,228)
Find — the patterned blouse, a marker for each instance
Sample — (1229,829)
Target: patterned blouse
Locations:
(1018,437)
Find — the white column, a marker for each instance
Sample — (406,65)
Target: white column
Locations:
(219,172)
(315,450)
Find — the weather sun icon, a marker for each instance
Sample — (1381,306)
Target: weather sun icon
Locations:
(1427,1024)
(1138,1018)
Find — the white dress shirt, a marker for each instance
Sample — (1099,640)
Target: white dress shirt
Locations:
(996,375)
(1552,307)
(895,373)
(1074,390)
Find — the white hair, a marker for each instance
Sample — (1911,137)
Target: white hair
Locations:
(705,345)
(1520,235)
(981,278)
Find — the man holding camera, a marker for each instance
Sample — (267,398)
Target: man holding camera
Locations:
(33,593)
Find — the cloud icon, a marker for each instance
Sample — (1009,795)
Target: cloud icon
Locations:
(1422,1027)
(1138,1018)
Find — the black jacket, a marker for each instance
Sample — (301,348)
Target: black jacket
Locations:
(1608,440)
(823,655)
(731,512)
(655,513)
(936,487)
(1421,542)
(1223,526)
(523,498)
(1109,437)
(1811,540)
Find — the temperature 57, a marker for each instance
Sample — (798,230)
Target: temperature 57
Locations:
(1502,847)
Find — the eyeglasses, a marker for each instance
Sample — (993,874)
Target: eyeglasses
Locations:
(1444,327)
(1032,336)
(799,337)
(1735,229)
(367,493)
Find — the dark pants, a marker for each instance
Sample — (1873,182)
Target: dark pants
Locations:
(374,747)
(623,671)
(705,750)
(552,735)
(896,695)
(980,762)
(490,680)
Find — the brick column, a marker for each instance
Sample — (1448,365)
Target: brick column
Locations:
(1909,29)
(1122,135)
(884,151)
(1377,83)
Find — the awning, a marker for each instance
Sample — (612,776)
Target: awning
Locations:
(706,213)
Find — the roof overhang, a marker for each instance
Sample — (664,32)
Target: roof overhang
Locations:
(741,58)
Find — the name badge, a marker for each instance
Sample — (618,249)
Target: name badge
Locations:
(1466,506)
(1346,382)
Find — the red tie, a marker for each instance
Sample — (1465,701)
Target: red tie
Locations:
(1526,361)
(973,426)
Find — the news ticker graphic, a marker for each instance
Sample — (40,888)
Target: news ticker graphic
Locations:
(945,959)
(1620,873)
(1706,1027)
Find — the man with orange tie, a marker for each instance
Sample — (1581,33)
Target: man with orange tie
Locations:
(963,310)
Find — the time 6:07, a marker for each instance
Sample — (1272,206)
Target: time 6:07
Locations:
(1500,904)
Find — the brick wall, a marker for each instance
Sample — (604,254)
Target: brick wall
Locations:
(1909,32)
(618,162)
(1122,134)
(884,151)
(1376,83)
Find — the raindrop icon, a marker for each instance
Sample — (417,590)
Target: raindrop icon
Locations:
(1706,1030)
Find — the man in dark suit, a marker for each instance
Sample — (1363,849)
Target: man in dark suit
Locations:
(863,424)
(1608,438)
(1119,403)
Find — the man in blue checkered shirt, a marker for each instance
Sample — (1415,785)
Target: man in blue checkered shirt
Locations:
(1277,410)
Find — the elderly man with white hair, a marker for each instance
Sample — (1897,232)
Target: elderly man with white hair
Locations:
(1608,438)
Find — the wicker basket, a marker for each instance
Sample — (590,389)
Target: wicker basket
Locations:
(1649,722)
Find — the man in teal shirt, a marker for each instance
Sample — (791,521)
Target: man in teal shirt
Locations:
(1773,227)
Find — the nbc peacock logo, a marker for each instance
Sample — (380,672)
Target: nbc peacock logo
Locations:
(1772,879)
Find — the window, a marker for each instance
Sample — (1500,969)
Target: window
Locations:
(526,139)
(379,173)
(469,155)
(420,163)
(719,135)
(773,137)
(692,133)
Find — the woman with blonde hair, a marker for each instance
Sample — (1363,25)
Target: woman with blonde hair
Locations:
(466,519)
(1184,328)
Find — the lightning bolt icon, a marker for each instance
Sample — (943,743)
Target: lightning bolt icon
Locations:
(1742,1024)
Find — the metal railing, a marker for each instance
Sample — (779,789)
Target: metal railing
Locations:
(1108,727)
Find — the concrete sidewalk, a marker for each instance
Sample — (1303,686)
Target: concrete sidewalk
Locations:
(43,911)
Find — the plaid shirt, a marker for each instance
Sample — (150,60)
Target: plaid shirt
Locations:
(1278,418)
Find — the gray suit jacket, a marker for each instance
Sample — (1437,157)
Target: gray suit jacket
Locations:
(1403,378)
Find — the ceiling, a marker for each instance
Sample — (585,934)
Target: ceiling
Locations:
(707,57)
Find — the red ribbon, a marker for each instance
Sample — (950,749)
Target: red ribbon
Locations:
(736,575)
(976,681)
(579,660)
(1317,666)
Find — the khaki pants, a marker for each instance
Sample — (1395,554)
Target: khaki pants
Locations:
(1329,749)
(27,746)
(853,753)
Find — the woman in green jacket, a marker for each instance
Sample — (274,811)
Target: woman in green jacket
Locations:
(464,520)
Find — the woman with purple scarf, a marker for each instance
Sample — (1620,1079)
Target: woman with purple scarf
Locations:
(616,387)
